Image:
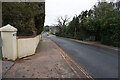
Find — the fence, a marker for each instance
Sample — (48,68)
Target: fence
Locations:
(14,47)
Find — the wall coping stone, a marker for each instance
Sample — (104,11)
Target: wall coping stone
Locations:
(8,28)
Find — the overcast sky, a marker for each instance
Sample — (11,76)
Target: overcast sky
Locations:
(57,8)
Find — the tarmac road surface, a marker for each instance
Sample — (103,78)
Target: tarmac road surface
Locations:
(98,62)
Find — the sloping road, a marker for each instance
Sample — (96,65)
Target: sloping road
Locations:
(98,62)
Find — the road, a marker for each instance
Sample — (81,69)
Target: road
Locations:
(98,62)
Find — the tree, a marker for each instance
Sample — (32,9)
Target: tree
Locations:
(62,23)
(109,18)
(102,22)
(46,28)
(27,17)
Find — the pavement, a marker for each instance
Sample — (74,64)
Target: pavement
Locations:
(46,63)
(98,62)
(97,44)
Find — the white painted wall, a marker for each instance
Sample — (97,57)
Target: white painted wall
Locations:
(27,46)
(9,46)
(13,47)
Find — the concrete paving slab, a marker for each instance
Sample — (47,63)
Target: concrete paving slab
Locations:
(6,65)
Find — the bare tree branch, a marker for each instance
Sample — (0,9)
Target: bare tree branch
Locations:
(62,21)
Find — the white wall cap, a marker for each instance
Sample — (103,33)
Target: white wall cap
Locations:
(8,28)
